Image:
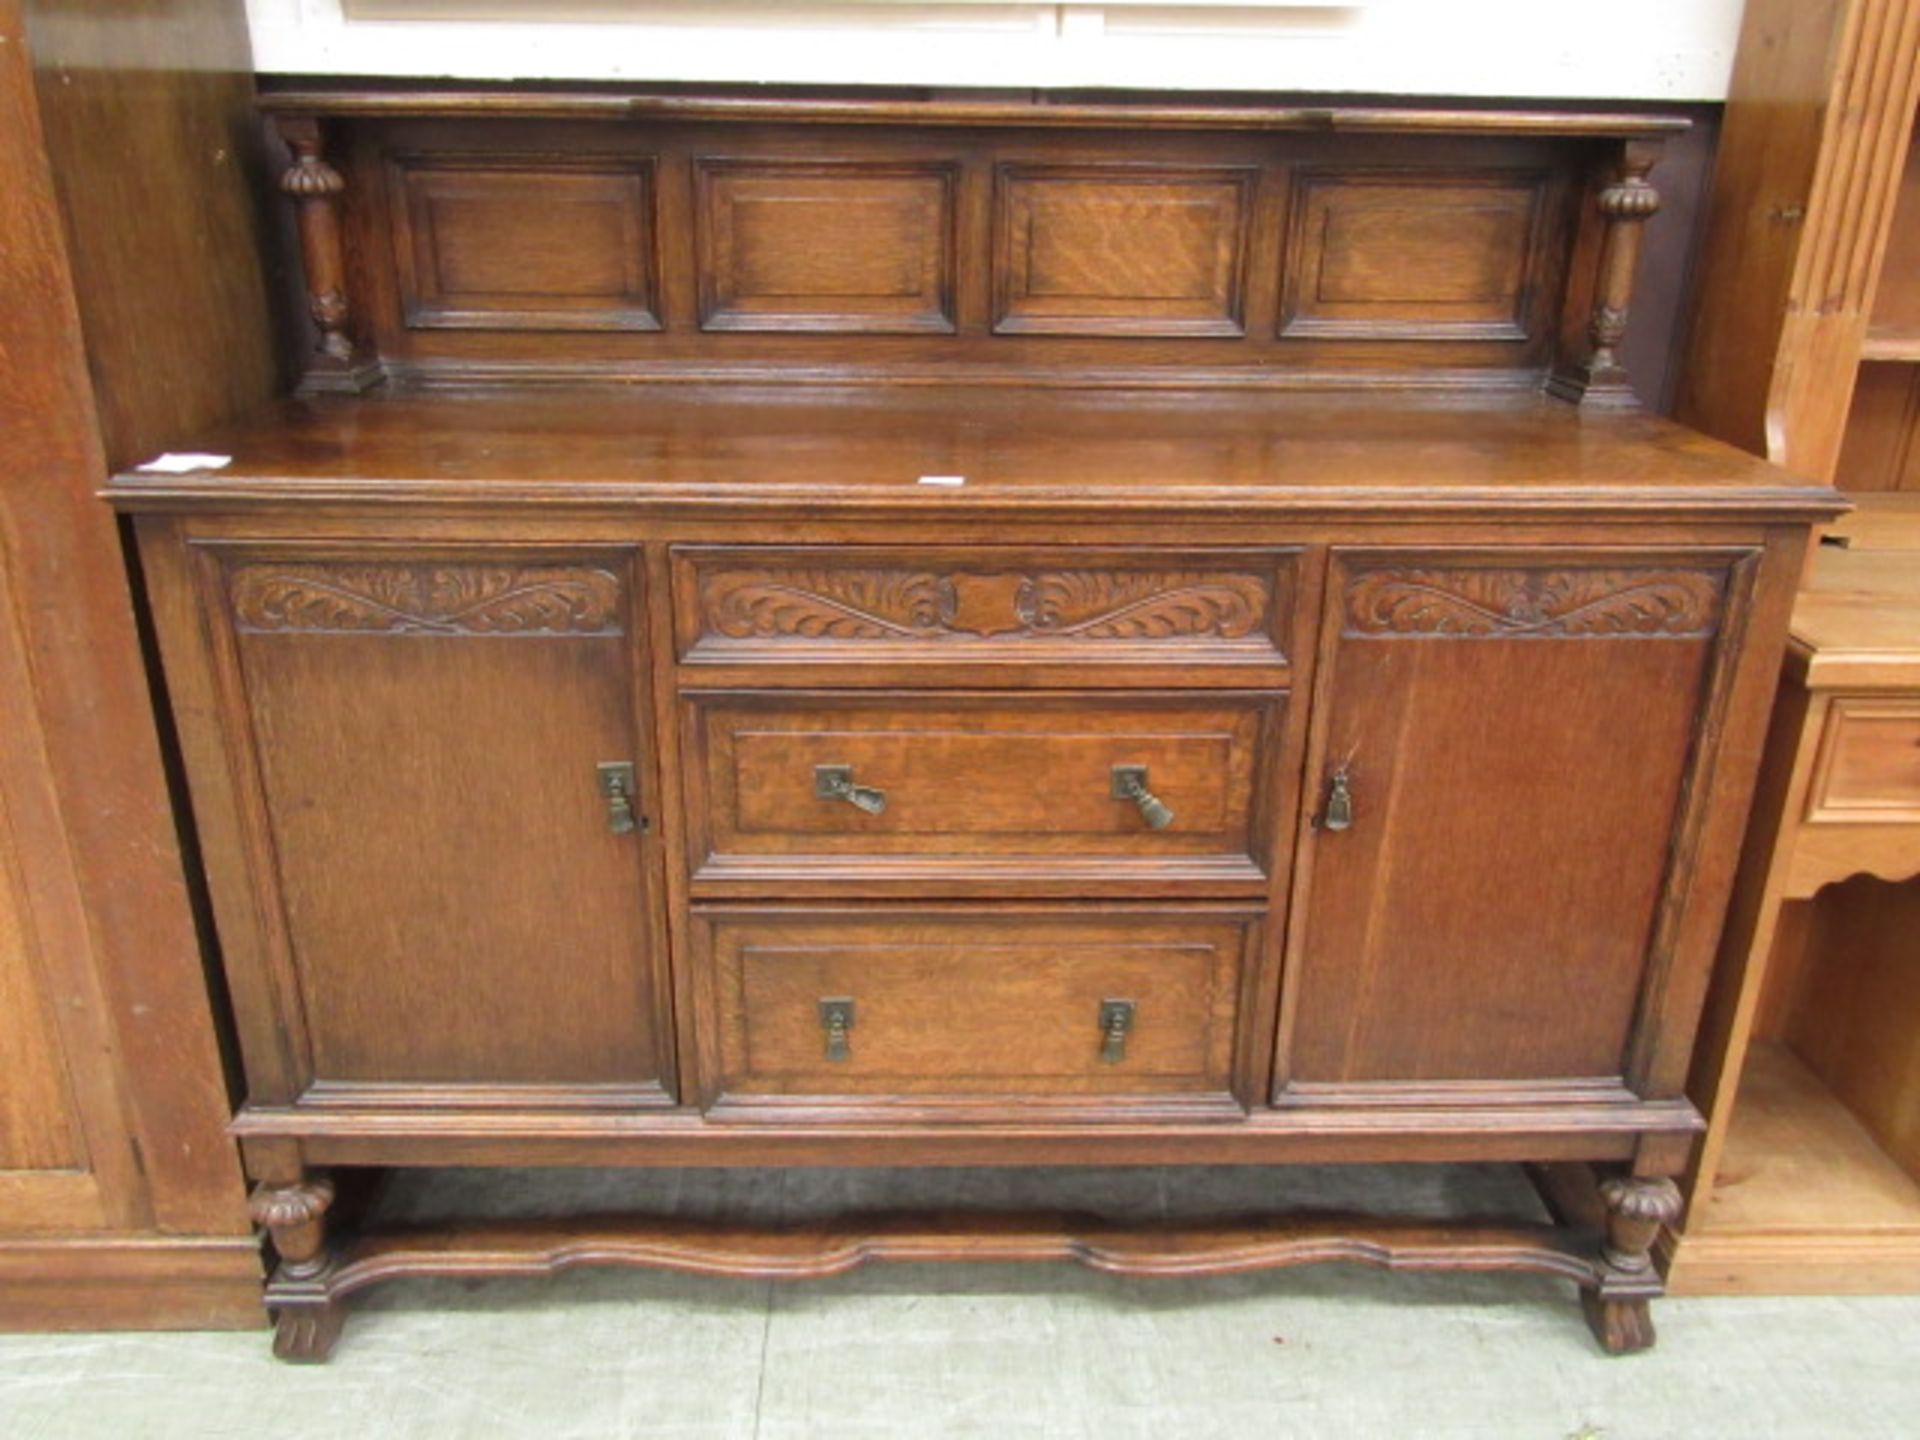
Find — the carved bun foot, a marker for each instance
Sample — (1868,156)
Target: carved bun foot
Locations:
(306,1334)
(1621,1326)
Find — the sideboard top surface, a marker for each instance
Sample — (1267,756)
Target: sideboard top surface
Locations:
(413,98)
(1098,453)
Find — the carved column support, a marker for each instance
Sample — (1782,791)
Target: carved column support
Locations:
(1636,1208)
(1625,203)
(315,188)
(295,1216)
(299,1292)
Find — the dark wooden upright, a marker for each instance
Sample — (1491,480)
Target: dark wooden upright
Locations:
(132,316)
(873,633)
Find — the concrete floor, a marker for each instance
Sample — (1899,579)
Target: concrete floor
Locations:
(994,1351)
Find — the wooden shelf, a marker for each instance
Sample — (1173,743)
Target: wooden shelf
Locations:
(1891,344)
(1806,1201)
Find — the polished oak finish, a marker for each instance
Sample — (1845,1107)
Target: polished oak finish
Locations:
(596,234)
(960,1017)
(1000,789)
(1437,900)
(1023,715)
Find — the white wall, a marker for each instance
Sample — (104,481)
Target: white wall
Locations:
(1628,49)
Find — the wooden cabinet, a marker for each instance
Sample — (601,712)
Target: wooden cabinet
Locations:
(1809,1178)
(1806,349)
(130,311)
(1066,726)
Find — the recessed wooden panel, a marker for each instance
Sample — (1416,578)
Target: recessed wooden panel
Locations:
(536,244)
(855,246)
(1116,250)
(1397,255)
(37,1129)
(429,729)
(950,1005)
(773,605)
(981,785)
(1879,450)
(1517,737)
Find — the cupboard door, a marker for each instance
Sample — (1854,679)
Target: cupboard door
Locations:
(462,903)
(1502,748)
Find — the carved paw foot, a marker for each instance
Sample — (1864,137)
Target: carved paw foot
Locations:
(1621,1326)
(305,1334)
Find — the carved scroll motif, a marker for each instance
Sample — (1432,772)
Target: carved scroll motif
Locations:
(902,604)
(427,599)
(1515,602)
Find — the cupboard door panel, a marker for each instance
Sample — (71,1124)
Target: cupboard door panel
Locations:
(1516,736)
(428,734)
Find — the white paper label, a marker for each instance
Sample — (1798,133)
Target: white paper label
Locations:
(183,464)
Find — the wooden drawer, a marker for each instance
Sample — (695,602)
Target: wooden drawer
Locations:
(983,787)
(864,605)
(1869,765)
(944,1006)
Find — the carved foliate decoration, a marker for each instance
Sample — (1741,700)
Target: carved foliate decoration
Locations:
(1513,602)
(429,599)
(882,604)
(279,1207)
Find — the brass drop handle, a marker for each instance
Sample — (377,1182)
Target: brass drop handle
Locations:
(835,782)
(836,1018)
(616,788)
(1338,814)
(1130,783)
(1116,1020)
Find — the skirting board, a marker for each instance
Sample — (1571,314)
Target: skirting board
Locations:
(1793,1264)
(138,1282)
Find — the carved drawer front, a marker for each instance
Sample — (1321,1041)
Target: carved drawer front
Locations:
(802,785)
(934,1008)
(1869,764)
(864,605)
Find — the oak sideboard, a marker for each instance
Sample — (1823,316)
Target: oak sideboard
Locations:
(816,631)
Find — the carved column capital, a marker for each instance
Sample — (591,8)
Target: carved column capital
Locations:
(302,1203)
(1636,1209)
(294,1215)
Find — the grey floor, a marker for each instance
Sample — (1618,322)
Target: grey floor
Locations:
(999,1351)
